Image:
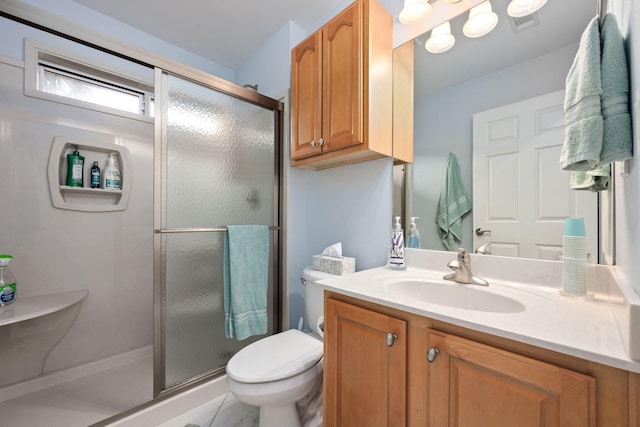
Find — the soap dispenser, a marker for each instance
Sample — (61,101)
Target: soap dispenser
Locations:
(396,256)
(413,240)
(111,175)
(75,168)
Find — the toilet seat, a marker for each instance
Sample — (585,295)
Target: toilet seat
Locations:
(276,357)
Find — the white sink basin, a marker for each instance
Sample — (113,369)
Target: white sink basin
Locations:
(466,297)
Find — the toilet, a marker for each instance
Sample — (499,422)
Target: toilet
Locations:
(277,371)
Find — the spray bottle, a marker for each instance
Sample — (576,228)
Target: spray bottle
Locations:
(413,240)
(396,256)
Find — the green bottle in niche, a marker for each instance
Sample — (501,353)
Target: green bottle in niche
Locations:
(75,168)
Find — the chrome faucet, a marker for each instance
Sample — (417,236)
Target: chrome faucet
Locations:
(462,270)
(484,249)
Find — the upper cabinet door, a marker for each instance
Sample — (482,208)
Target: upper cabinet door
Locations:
(306,97)
(341,90)
(342,80)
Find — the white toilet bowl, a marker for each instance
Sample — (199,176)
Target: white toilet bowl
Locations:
(275,372)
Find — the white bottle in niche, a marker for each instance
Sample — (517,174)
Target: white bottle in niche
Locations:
(111,175)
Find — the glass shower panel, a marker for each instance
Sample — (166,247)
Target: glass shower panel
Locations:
(220,170)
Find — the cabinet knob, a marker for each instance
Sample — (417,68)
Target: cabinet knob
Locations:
(313,143)
(391,338)
(432,354)
(321,142)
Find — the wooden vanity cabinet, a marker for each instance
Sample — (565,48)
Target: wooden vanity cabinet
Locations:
(475,380)
(341,90)
(472,384)
(365,367)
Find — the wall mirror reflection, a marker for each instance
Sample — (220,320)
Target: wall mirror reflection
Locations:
(496,104)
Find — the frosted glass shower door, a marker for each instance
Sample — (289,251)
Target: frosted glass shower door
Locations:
(218,167)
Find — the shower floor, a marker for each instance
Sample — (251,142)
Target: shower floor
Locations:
(85,400)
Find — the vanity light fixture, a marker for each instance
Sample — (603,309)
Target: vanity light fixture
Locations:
(414,10)
(519,8)
(481,20)
(441,39)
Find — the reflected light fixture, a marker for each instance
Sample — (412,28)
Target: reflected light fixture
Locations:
(519,8)
(441,39)
(414,10)
(481,20)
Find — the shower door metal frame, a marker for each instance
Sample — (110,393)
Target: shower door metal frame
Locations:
(160,226)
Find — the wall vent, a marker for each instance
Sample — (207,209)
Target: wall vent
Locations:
(522,23)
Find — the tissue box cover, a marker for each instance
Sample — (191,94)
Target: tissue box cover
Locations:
(333,265)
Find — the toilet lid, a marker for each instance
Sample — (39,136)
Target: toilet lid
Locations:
(275,357)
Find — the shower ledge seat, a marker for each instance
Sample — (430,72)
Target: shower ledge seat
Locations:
(30,328)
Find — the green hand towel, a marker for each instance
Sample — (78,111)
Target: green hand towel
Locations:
(453,205)
(583,132)
(617,138)
(246,278)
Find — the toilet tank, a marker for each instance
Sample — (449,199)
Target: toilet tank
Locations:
(313,296)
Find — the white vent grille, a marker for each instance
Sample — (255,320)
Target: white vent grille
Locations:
(522,23)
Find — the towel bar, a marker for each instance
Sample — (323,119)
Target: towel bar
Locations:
(200,230)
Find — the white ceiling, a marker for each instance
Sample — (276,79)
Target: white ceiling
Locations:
(229,32)
(224,31)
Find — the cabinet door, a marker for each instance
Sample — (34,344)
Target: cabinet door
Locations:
(475,385)
(364,376)
(342,78)
(306,97)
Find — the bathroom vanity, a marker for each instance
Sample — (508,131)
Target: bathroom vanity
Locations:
(523,355)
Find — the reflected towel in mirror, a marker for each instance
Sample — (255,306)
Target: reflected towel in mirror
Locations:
(453,205)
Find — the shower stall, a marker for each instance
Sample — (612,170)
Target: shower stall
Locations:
(216,163)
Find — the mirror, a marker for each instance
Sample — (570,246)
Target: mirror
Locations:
(520,60)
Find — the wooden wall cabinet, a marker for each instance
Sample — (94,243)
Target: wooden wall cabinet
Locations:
(476,379)
(341,90)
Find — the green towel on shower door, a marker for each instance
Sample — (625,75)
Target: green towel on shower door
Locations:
(246,278)
(453,204)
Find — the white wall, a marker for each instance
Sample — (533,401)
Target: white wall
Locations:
(55,250)
(443,124)
(628,188)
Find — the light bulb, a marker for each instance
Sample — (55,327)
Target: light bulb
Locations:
(414,10)
(441,39)
(481,20)
(518,8)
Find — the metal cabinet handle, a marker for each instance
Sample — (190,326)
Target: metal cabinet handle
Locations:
(391,338)
(313,143)
(482,231)
(432,354)
(321,142)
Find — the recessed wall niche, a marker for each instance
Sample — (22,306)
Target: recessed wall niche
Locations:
(85,198)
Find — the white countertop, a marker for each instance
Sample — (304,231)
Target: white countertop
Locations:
(584,329)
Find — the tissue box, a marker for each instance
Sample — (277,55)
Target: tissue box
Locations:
(333,265)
